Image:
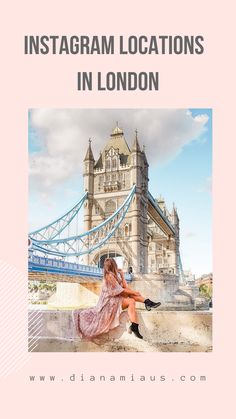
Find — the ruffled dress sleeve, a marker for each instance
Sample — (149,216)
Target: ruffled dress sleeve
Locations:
(112,286)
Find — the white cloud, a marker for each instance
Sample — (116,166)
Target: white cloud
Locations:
(189,235)
(64,135)
(206,186)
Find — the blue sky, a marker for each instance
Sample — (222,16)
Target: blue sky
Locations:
(186,181)
(180,158)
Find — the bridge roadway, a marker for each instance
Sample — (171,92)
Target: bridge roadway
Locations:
(158,216)
(43,268)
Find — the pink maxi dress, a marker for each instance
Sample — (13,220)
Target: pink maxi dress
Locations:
(94,321)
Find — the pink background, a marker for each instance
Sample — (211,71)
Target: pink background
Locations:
(44,81)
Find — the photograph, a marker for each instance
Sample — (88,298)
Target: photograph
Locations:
(120,220)
(117,186)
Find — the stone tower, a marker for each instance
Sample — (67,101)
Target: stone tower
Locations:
(176,255)
(89,187)
(108,182)
(163,249)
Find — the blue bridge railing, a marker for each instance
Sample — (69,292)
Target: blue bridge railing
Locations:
(56,266)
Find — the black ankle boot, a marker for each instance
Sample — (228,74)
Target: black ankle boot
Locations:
(134,328)
(150,304)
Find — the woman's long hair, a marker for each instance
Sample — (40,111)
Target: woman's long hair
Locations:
(110,265)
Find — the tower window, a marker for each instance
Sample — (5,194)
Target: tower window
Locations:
(108,164)
(114,163)
(97,211)
(127,230)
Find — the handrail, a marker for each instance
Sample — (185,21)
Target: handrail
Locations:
(44,264)
(94,229)
(86,242)
(78,205)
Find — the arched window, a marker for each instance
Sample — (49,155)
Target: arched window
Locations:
(114,163)
(127,231)
(108,164)
(124,179)
(97,209)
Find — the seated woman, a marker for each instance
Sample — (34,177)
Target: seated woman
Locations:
(115,296)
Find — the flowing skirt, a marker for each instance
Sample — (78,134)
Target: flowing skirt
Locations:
(94,321)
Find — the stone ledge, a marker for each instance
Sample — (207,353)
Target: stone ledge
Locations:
(162,331)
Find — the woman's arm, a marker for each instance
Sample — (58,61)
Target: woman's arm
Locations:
(124,283)
(125,293)
(128,292)
(113,287)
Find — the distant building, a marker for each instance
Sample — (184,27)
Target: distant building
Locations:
(189,278)
(204,280)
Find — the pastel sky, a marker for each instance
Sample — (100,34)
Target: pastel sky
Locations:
(178,144)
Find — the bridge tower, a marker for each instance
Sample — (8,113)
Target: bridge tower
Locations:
(108,182)
(139,177)
(176,254)
(88,187)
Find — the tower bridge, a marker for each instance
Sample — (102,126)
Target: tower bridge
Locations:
(121,217)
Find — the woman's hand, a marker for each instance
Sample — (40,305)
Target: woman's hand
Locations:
(132,292)
(121,272)
(137,293)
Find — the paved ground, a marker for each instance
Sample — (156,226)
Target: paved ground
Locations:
(58,345)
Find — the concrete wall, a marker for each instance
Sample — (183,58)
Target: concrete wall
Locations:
(156,287)
(83,292)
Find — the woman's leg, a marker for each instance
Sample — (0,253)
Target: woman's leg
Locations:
(138,298)
(148,303)
(130,304)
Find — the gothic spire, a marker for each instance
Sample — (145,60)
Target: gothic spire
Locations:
(136,146)
(117,130)
(144,155)
(89,154)
(174,210)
